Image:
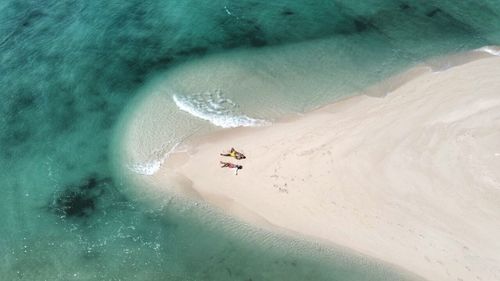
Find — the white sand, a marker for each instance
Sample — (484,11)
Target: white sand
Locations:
(412,178)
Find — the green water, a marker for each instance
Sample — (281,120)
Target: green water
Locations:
(67,70)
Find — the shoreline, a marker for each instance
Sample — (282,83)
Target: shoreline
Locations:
(378,90)
(193,168)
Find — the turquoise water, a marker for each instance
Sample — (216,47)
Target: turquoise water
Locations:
(67,70)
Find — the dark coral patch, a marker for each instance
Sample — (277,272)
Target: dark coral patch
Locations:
(354,25)
(433,12)
(23,102)
(244,32)
(75,204)
(81,200)
(194,51)
(404,6)
(162,62)
(140,69)
(32,17)
(254,34)
(257,38)
(360,25)
(287,13)
(17,136)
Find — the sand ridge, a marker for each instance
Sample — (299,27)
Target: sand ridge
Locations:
(412,178)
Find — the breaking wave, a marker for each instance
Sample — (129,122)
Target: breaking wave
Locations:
(216,109)
(149,168)
(492,50)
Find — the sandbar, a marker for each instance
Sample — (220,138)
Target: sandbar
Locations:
(411,177)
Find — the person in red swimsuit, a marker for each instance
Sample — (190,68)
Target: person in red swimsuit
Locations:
(231,166)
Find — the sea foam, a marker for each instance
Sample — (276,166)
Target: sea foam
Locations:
(216,109)
(150,167)
(492,50)
(147,168)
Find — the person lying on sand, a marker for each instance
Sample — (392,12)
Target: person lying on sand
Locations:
(233,153)
(231,166)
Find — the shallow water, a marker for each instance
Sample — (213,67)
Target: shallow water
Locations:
(67,70)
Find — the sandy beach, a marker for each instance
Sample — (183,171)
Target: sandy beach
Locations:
(411,178)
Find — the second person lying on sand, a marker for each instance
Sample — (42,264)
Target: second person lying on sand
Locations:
(233,153)
(231,166)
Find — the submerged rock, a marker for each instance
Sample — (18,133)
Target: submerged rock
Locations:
(80,200)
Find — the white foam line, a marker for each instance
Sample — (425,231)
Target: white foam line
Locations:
(150,168)
(217,119)
(492,50)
